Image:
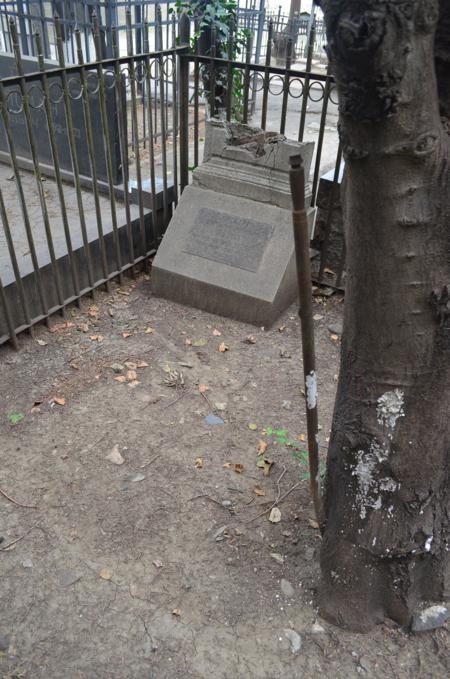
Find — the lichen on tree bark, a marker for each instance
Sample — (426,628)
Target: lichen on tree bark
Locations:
(387,494)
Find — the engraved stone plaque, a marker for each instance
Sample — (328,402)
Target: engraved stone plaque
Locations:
(236,241)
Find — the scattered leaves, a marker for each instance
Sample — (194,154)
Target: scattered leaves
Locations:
(282,328)
(126,334)
(301,437)
(216,332)
(120,378)
(93,311)
(188,342)
(261,447)
(130,365)
(238,468)
(83,326)
(275,515)
(142,364)
(202,388)
(317,317)
(149,331)
(59,400)
(223,348)
(61,326)
(199,463)
(174,378)
(41,342)
(105,574)
(114,456)
(96,338)
(313,524)
(253,426)
(259,491)
(131,375)
(334,337)
(227,465)
(250,339)
(176,612)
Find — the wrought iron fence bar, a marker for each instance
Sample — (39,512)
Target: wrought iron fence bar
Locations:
(286,82)
(135,131)
(266,77)
(73,152)
(91,156)
(312,37)
(37,172)
(323,118)
(56,164)
(123,142)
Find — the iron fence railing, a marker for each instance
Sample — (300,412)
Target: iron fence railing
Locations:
(93,154)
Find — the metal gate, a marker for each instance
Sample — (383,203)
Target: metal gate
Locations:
(94,154)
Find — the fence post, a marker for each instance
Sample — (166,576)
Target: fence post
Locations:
(183,65)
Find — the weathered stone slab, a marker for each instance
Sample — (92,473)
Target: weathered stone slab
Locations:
(246,161)
(228,255)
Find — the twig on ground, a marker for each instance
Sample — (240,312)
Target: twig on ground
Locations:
(147,464)
(13,542)
(208,497)
(208,401)
(185,393)
(15,502)
(274,504)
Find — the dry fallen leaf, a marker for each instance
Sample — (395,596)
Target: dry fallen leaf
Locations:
(176,612)
(261,446)
(157,563)
(105,574)
(62,326)
(96,338)
(120,378)
(199,463)
(84,327)
(252,426)
(130,365)
(149,331)
(282,328)
(188,342)
(216,333)
(223,347)
(334,337)
(74,365)
(142,364)
(259,491)
(238,468)
(227,465)
(42,343)
(131,375)
(265,464)
(330,272)
(59,400)
(301,437)
(317,317)
(275,515)
(202,388)
(114,456)
(93,311)
(251,339)
(313,524)
(126,334)
(133,383)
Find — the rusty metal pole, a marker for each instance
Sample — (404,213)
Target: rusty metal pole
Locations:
(302,253)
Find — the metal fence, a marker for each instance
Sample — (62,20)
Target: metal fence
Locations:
(95,155)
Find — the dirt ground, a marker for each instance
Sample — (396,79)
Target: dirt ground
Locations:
(159,567)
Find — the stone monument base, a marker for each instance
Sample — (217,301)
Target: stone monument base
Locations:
(228,255)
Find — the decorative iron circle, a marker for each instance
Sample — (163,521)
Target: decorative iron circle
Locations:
(92,78)
(302,87)
(334,91)
(153,69)
(77,92)
(109,79)
(276,78)
(36,97)
(254,77)
(55,92)
(320,92)
(141,72)
(166,71)
(14,102)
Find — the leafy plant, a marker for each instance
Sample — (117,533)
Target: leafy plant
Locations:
(219,16)
(298,452)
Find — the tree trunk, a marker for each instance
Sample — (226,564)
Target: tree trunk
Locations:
(387,491)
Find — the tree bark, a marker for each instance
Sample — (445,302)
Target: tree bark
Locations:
(387,491)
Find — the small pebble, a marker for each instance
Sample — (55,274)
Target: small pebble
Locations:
(27,563)
(287,588)
(295,640)
(430,618)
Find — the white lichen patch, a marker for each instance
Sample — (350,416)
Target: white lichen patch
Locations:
(428,544)
(311,390)
(370,487)
(390,408)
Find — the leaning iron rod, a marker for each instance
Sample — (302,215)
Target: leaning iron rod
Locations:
(302,253)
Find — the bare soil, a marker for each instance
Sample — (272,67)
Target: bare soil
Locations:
(157,568)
